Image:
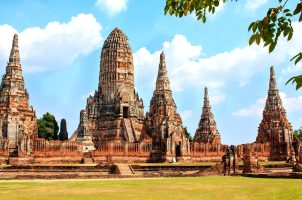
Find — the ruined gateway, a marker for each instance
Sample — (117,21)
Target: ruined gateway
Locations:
(114,128)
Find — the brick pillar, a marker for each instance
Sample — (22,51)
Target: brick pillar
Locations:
(206,149)
(126,148)
(218,149)
(110,147)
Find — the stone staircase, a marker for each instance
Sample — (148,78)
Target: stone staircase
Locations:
(279,168)
(88,161)
(128,128)
(124,169)
(76,171)
(298,167)
(87,158)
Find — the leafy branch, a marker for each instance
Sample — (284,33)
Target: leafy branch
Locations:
(181,8)
(277,22)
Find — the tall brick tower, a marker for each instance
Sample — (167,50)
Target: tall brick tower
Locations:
(115,111)
(274,127)
(17,118)
(164,124)
(207,131)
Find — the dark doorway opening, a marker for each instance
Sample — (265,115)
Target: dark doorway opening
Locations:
(125,112)
(177,150)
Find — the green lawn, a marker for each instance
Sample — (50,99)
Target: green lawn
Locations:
(210,187)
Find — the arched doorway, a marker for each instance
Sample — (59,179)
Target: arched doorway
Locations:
(125,112)
(177,149)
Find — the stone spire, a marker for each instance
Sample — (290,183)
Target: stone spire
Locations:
(116,66)
(163,123)
(115,111)
(17,117)
(207,131)
(272,80)
(162,81)
(162,95)
(13,69)
(274,127)
(12,81)
(206,101)
(116,81)
(273,101)
(14,58)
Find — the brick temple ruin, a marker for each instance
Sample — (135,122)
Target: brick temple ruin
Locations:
(275,139)
(114,128)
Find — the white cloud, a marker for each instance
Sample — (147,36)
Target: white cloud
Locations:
(292,69)
(187,65)
(291,105)
(111,7)
(254,4)
(56,45)
(186,114)
(251,111)
(217,98)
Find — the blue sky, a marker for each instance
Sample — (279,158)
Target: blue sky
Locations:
(60,44)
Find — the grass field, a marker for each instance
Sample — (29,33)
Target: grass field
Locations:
(211,187)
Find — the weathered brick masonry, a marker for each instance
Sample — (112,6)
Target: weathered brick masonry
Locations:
(114,128)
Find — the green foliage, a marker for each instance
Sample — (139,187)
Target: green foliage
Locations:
(181,8)
(298,133)
(48,127)
(276,22)
(188,134)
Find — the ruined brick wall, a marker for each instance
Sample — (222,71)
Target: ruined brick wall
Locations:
(116,151)
(262,151)
(207,152)
(53,148)
(45,151)
(4,150)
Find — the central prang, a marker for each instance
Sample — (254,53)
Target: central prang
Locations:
(115,111)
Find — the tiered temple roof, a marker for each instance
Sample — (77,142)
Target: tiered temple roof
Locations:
(115,111)
(274,127)
(164,124)
(207,131)
(17,117)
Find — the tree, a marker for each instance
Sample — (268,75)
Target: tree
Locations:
(276,22)
(298,133)
(188,134)
(48,127)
